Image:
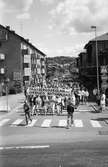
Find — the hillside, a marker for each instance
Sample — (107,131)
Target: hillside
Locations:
(61,67)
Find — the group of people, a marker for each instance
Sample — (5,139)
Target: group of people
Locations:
(81,96)
(33,104)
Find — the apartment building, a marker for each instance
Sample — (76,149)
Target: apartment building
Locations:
(21,63)
(88,63)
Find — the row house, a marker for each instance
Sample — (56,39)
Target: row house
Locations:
(21,63)
(88,65)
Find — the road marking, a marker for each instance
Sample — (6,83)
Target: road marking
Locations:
(32,123)
(78,123)
(62,123)
(95,124)
(46,123)
(17,122)
(4,121)
(25,147)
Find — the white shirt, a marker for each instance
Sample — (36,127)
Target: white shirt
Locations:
(103,97)
(73,99)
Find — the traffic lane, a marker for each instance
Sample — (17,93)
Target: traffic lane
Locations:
(19,136)
(81,154)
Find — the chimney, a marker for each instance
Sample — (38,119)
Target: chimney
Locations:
(13,31)
(8,27)
(27,40)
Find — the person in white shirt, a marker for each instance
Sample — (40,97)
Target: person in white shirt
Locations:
(70,109)
(102,101)
(58,104)
(82,92)
(53,101)
(86,95)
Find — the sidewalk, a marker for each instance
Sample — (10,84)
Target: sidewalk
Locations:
(12,100)
(97,108)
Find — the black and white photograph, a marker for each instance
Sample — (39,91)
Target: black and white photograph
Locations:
(53,83)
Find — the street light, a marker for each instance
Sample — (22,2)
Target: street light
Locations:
(97,62)
(6,82)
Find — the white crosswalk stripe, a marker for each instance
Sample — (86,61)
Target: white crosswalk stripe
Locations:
(62,123)
(17,122)
(95,124)
(4,121)
(32,123)
(78,123)
(46,123)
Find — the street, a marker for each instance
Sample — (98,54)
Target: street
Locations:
(47,142)
(81,154)
(53,83)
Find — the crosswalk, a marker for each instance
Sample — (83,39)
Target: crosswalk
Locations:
(48,123)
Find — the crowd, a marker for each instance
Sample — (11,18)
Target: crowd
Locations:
(54,103)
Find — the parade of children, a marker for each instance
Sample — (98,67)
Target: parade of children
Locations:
(54,99)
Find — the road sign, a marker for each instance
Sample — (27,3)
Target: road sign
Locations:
(104,69)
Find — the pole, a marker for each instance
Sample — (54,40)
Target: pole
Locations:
(7,96)
(97,61)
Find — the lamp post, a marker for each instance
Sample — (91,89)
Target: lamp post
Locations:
(97,61)
(7,81)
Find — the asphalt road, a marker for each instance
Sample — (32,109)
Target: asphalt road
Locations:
(83,145)
(78,154)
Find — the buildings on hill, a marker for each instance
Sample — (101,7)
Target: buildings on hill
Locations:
(87,63)
(20,61)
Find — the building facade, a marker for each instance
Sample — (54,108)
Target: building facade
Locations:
(20,62)
(88,64)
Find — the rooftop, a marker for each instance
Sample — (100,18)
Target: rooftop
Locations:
(103,37)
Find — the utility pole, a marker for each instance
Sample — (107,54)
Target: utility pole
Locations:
(97,61)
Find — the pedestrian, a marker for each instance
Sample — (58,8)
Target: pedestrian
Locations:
(27,112)
(38,104)
(46,101)
(77,96)
(102,101)
(53,103)
(70,110)
(58,105)
(34,105)
(86,95)
(82,95)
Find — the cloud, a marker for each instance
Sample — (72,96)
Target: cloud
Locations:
(71,50)
(79,15)
(23,16)
(19,7)
(2,5)
(47,1)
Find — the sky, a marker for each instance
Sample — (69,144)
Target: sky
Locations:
(56,27)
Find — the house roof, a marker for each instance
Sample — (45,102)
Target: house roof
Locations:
(23,39)
(103,37)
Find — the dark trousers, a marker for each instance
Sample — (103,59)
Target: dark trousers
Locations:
(27,117)
(69,119)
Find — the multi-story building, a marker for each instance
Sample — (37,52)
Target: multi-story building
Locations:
(88,63)
(20,61)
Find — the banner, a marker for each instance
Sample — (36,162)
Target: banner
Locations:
(49,91)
